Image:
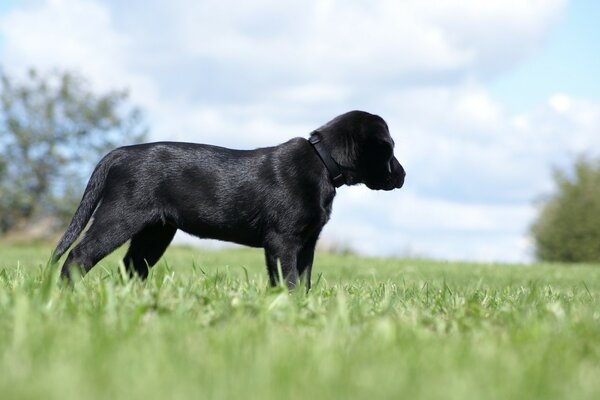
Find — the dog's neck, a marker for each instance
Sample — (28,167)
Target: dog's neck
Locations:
(332,167)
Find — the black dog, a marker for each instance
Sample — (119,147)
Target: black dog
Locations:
(278,198)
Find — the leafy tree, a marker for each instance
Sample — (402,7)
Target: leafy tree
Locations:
(53,130)
(568,226)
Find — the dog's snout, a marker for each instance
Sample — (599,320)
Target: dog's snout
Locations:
(401,178)
(398,173)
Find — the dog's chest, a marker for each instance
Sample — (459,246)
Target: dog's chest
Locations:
(324,211)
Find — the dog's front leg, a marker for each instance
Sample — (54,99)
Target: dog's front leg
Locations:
(289,272)
(271,260)
(305,262)
(285,257)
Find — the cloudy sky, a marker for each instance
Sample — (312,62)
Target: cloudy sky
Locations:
(482,98)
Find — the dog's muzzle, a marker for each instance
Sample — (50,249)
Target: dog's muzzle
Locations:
(397,174)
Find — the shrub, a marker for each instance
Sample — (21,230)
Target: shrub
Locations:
(568,226)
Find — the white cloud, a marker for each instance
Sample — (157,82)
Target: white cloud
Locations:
(560,102)
(270,42)
(425,226)
(499,33)
(314,93)
(361,39)
(62,33)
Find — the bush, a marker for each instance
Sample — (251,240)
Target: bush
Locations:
(568,226)
(53,130)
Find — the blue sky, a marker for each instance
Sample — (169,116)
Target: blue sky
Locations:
(482,98)
(567,62)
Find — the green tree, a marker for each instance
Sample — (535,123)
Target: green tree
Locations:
(53,129)
(568,226)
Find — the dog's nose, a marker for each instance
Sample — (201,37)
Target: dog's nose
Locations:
(401,178)
(400,182)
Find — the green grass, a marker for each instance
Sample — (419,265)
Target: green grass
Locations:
(205,325)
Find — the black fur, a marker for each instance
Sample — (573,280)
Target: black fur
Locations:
(278,198)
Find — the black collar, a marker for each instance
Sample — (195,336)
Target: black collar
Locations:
(330,164)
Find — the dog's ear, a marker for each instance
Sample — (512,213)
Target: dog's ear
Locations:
(346,134)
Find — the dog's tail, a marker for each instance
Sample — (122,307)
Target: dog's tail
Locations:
(91,197)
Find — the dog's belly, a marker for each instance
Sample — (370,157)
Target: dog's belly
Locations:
(240,234)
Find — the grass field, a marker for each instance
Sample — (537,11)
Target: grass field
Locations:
(205,325)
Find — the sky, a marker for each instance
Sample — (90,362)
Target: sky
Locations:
(483,98)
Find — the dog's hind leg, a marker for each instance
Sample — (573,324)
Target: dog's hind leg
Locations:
(147,247)
(99,241)
(109,230)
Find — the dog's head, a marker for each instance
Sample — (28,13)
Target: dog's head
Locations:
(362,146)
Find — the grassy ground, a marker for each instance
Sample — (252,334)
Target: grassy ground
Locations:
(206,326)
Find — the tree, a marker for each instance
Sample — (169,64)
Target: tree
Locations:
(568,226)
(53,130)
